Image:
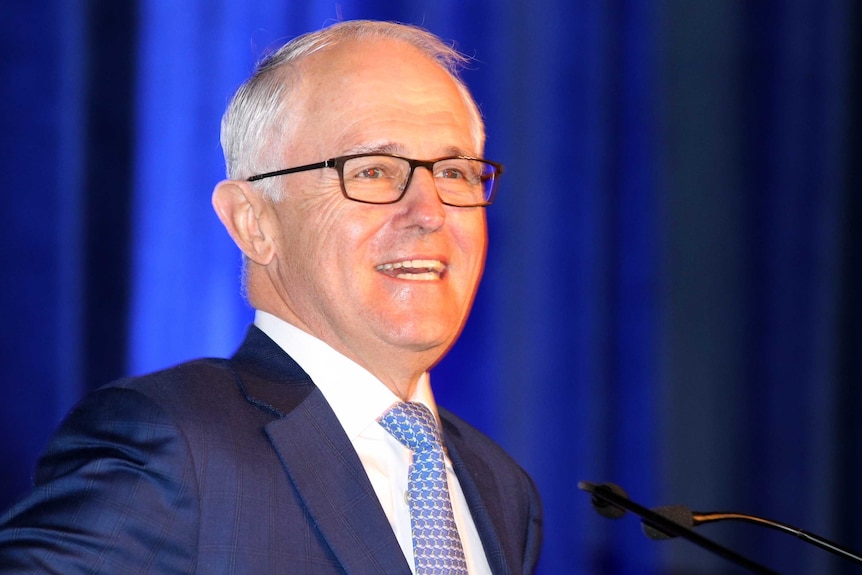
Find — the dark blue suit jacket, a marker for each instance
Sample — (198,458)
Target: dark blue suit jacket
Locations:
(237,466)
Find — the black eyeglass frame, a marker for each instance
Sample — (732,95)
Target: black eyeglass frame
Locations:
(338,164)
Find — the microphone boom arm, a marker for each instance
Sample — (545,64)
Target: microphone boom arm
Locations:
(700,518)
(607,495)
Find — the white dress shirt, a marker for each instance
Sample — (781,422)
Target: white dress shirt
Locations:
(359,399)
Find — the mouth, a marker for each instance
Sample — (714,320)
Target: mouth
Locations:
(416,270)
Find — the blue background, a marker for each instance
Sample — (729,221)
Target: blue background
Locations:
(671,299)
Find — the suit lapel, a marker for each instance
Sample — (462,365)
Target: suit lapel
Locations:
(329,477)
(319,460)
(479,486)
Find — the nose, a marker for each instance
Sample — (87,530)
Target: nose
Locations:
(422,202)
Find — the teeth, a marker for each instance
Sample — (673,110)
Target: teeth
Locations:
(431,269)
(425,276)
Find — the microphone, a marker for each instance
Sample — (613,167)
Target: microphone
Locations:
(603,506)
(611,501)
(686,517)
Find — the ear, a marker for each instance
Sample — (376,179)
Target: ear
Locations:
(242,210)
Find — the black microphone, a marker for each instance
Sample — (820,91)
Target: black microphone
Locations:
(604,507)
(611,501)
(686,517)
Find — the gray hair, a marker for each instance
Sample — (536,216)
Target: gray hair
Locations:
(260,117)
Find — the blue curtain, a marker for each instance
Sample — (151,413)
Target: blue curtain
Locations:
(670,301)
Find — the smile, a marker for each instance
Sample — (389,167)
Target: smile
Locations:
(417,270)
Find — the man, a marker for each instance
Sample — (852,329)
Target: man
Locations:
(362,266)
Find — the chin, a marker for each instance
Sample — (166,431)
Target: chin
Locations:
(423,338)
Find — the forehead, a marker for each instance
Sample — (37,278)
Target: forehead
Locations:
(376,89)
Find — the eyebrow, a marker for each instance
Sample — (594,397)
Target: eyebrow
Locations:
(395,148)
(381,148)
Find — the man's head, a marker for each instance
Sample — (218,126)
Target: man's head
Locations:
(263,111)
(388,285)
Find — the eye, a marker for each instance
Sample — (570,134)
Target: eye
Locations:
(371,173)
(374,168)
(451,173)
(460,170)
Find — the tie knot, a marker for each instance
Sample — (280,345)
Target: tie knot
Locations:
(413,425)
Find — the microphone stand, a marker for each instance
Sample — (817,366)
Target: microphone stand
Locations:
(606,495)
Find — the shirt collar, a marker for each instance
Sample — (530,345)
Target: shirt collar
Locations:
(355,395)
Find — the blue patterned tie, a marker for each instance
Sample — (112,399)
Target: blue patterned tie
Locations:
(436,545)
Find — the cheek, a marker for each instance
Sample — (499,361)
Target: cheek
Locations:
(472,239)
(327,225)
(312,240)
(347,247)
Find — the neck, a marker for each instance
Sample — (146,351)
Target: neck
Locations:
(398,368)
(402,385)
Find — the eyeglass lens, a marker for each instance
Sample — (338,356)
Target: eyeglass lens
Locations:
(382,179)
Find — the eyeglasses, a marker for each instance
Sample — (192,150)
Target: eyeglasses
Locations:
(376,178)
